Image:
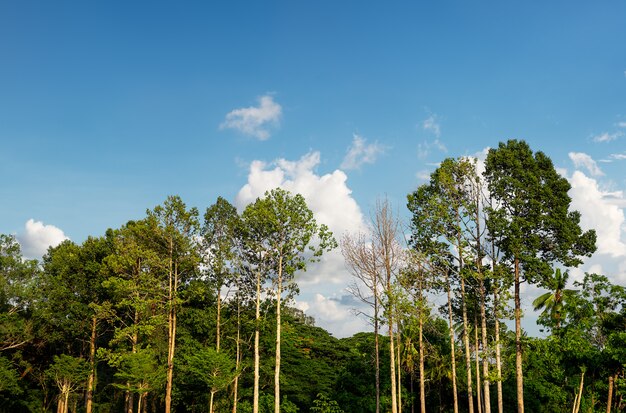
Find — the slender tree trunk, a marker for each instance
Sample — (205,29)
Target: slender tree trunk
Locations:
(483,316)
(277,368)
(610,398)
(452,346)
(421,356)
(479,403)
(139,402)
(211,398)
(398,364)
(255,400)
(392,361)
(468,361)
(92,364)
(496,311)
(237,356)
(172,332)
(496,303)
(579,396)
(218,321)
(376,344)
(519,376)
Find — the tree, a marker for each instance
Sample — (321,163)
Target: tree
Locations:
(140,373)
(174,235)
(69,374)
(531,223)
(553,301)
(360,256)
(444,218)
(218,244)
(283,229)
(213,369)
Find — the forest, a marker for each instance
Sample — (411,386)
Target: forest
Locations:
(183,311)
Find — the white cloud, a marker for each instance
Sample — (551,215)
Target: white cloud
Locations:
(254,121)
(621,124)
(607,137)
(331,201)
(38,237)
(599,211)
(360,153)
(583,160)
(618,156)
(335,316)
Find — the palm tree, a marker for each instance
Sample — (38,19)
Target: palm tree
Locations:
(552,301)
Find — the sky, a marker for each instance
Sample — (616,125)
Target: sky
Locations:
(106,108)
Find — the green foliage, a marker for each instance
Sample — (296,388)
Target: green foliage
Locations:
(325,405)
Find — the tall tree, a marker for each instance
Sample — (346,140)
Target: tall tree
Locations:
(360,257)
(218,245)
(390,257)
(553,301)
(444,217)
(175,229)
(289,238)
(532,223)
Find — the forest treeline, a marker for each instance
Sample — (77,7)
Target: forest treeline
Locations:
(189,312)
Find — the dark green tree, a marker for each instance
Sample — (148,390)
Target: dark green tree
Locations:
(531,223)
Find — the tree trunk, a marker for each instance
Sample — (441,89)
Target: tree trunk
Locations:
(92,364)
(277,367)
(479,403)
(610,398)
(255,400)
(237,355)
(421,356)
(496,303)
(173,285)
(392,361)
(468,361)
(579,396)
(218,321)
(211,397)
(139,402)
(452,346)
(377,350)
(398,364)
(519,376)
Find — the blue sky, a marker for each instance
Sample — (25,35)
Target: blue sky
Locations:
(108,107)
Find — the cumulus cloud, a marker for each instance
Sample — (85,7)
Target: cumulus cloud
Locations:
(600,211)
(583,160)
(360,152)
(331,201)
(337,317)
(618,156)
(255,120)
(38,237)
(607,137)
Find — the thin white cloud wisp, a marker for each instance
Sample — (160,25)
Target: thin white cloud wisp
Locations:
(360,152)
(255,121)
